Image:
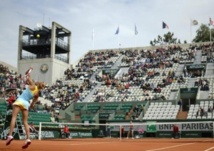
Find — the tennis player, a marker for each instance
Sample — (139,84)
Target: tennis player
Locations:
(23,104)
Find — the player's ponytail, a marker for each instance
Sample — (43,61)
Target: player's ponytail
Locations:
(41,85)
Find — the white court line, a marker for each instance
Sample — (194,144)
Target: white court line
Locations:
(170,147)
(80,143)
(209,149)
(93,143)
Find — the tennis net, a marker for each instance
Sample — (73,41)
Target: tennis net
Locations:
(187,129)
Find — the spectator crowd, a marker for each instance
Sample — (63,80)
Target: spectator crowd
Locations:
(143,66)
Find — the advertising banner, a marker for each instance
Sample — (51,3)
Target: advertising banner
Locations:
(77,134)
(153,126)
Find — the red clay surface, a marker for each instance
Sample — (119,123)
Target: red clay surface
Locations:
(108,144)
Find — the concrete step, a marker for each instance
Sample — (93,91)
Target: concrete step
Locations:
(182,115)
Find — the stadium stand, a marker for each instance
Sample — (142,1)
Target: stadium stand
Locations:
(127,84)
(162,110)
(147,76)
(203,110)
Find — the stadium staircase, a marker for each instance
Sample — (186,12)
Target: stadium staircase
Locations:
(191,83)
(117,63)
(121,72)
(91,93)
(197,57)
(93,77)
(173,95)
(179,70)
(209,69)
(182,115)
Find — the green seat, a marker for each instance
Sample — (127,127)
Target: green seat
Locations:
(78,107)
(93,108)
(110,107)
(127,104)
(119,117)
(39,117)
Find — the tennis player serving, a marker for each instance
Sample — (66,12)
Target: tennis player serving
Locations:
(23,104)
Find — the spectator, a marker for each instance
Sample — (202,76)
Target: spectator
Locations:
(66,131)
(197,113)
(175,131)
(180,104)
(32,128)
(109,131)
(136,109)
(210,109)
(201,112)
(11,99)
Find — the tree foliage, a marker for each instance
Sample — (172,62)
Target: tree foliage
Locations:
(167,38)
(203,34)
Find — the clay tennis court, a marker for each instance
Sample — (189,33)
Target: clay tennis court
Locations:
(107,144)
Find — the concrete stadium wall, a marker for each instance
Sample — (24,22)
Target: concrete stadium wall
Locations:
(56,69)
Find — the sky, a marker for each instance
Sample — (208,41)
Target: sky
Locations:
(101,18)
